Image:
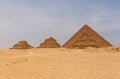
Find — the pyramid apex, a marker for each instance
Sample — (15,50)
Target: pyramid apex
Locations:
(50,38)
(86,26)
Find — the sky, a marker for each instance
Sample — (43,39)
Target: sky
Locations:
(36,20)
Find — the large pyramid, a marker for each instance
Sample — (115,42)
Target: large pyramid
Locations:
(21,45)
(86,37)
(49,43)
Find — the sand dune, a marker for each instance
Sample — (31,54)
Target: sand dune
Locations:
(60,63)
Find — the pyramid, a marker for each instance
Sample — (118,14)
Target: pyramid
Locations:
(22,45)
(49,43)
(86,37)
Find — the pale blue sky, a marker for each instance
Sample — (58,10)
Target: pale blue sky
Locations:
(36,20)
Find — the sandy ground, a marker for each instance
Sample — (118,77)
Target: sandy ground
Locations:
(60,64)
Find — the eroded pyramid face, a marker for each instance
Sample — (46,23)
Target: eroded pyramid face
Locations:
(22,45)
(86,37)
(49,43)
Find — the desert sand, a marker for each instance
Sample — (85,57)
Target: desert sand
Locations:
(60,63)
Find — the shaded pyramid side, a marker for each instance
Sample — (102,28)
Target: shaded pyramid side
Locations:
(86,37)
(49,43)
(22,45)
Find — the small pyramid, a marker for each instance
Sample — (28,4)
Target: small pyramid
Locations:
(49,43)
(86,37)
(22,45)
